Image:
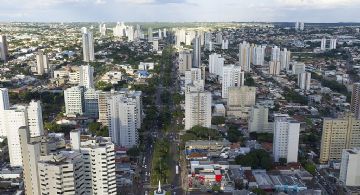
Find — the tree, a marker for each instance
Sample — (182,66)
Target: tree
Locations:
(104,86)
(201,133)
(234,135)
(255,159)
(282,161)
(310,167)
(259,191)
(133,152)
(218,120)
(97,129)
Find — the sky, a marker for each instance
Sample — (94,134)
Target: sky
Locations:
(180,10)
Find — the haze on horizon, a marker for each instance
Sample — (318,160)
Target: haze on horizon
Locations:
(180,10)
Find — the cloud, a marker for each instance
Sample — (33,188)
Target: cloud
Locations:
(317,4)
(180,10)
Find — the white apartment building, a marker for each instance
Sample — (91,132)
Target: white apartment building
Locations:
(74,101)
(285,58)
(298,68)
(197,108)
(232,77)
(274,67)
(333,42)
(259,119)
(185,61)
(86,76)
(323,44)
(42,63)
(216,64)
(87,45)
(35,119)
(258,55)
(14,118)
(4,105)
(99,166)
(350,167)
(125,118)
(304,81)
(286,138)
(192,75)
(275,54)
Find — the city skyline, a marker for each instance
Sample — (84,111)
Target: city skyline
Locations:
(180,10)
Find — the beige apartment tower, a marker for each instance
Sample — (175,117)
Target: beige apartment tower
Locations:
(337,135)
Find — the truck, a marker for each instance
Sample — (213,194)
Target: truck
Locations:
(177,169)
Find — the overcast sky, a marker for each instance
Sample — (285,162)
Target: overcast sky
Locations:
(180,10)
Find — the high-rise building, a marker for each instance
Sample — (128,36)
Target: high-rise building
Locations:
(185,61)
(304,81)
(99,165)
(219,38)
(298,68)
(86,74)
(323,44)
(180,35)
(102,29)
(302,26)
(216,64)
(125,118)
(355,100)
(155,45)
(130,33)
(285,57)
(209,46)
(3,48)
(74,101)
(164,33)
(333,43)
(193,75)
(350,167)
(91,103)
(240,101)
(150,35)
(258,119)
(274,67)
(68,169)
(197,107)
(42,62)
(4,99)
(297,24)
(89,168)
(119,30)
(244,56)
(30,152)
(275,54)
(4,105)
(286,138)
(88,45)
(207,38)
(232,77)
(225,44)
(339,134)
(159,34)
(14,118)
(258,55)
(35,119)
(196,52)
